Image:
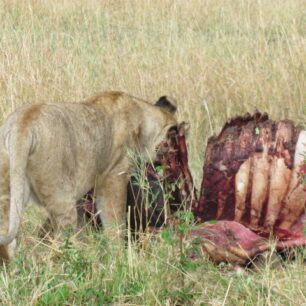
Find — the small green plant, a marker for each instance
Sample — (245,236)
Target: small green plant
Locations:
(74,261)
(176,237)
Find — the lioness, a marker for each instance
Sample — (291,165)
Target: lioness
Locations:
(55,153)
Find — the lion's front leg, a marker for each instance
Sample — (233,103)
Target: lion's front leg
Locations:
(111,194)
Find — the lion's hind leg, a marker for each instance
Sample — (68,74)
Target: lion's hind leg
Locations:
(6,251)
(62,215)
(56,222)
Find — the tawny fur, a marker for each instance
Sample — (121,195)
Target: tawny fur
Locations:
(55,153)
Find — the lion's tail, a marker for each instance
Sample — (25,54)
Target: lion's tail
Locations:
(19,150)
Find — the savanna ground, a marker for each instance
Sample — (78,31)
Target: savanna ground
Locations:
(218,59)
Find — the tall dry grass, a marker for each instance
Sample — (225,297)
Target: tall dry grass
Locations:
(217,58)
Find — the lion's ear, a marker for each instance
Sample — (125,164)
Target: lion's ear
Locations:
(167,103)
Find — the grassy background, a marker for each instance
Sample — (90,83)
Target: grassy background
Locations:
(217,58)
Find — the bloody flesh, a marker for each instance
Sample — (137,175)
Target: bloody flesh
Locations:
(253,185)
